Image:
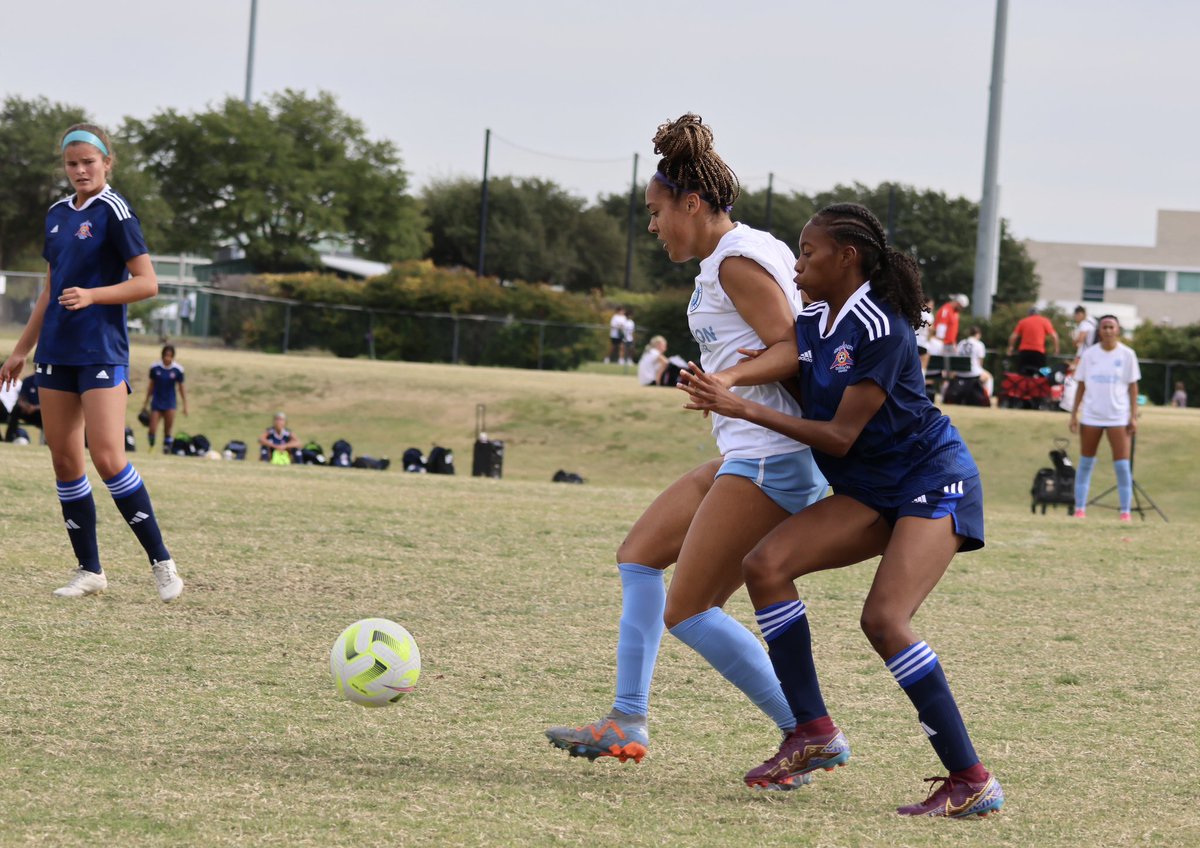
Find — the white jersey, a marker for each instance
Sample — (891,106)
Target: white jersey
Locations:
(972,347)
(1106,375)
(1086,328)
(720,331)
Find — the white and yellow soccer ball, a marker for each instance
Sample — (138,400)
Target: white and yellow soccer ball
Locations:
(375,662)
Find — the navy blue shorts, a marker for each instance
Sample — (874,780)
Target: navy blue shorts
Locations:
(81,378)
(962,501)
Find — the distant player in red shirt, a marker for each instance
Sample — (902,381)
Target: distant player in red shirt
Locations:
(945,323)
(1032,331)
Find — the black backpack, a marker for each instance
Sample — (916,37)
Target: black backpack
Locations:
(1053,486)
(238,448)
(371,462)
(441,461)
(200,445)
(312,454)
(182,445)
(561,476)
(414,461)
(342,453)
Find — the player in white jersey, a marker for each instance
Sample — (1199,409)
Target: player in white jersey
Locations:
(709,519)
(1106,403)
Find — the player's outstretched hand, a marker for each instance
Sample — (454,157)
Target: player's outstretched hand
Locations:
(708,393)
(11,371)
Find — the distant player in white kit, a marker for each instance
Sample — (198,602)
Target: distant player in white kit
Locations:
(709,519)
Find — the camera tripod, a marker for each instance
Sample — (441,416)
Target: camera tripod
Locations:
(1138,493)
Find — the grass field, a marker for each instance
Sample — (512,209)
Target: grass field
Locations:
(212,721)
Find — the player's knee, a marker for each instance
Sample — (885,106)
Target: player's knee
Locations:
(677,613)
(65,468)
(881,625)
(109,463)
(761,568)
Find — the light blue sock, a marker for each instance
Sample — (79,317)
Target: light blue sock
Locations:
(740,658)
(1083,480)
(643,599)
(1124,484)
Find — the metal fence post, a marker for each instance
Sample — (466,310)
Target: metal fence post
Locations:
(541,343)
(287,325)
(454,342)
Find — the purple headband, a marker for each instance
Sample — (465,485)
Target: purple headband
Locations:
(662,178)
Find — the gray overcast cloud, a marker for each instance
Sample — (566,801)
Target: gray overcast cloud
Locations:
(1100,128)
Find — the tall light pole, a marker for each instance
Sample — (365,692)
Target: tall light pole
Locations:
(632,226)
(250,51)
(987,243)
(483,202)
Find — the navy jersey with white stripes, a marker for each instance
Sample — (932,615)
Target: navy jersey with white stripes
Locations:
(908,447)
(88,248)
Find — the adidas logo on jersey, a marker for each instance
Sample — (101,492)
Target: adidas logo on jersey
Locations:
(103,375)
(138,518)
(55,230)
(806,356)
(920,499)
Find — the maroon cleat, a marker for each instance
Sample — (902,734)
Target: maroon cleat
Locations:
(798,755)
(956,798)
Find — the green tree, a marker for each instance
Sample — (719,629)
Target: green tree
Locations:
(536,231)
(276,178)
(940,231)
(31,175)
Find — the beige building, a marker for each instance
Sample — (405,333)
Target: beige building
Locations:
(1159,283)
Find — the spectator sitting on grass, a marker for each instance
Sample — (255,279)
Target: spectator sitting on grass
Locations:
(278,440)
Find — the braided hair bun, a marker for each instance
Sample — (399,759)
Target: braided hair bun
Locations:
(690,164)
(684,138)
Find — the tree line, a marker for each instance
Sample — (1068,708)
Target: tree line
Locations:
(286,174)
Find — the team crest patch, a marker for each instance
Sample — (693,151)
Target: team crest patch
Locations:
(694,303)
(843,359)
(84,231)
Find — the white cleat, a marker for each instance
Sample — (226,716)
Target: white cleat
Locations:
(83,583)
(170,586)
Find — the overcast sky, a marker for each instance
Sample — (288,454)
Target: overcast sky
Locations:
(1101,123)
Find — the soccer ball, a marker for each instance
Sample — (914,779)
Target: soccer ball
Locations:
(375,662)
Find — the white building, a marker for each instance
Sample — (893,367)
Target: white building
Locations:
(1159,283)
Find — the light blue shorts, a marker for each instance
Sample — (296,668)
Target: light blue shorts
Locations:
(792,480)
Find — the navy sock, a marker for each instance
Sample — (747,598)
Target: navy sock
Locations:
(784,626)
(919,674)
(79,513)
(132,499)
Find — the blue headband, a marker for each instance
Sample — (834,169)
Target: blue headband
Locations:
(84,135)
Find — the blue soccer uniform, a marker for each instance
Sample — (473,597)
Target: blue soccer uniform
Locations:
(79,350)
(909,450)
(164,379)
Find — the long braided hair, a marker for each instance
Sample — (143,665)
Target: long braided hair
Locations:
(689,163)
(894,275)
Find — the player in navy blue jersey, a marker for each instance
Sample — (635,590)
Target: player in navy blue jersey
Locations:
(165,376)
(905,488)
(97,263)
